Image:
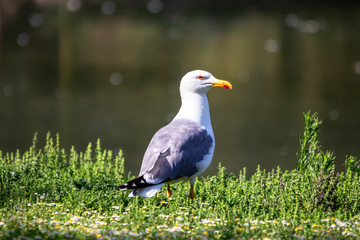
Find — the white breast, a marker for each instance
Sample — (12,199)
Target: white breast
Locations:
(204,164)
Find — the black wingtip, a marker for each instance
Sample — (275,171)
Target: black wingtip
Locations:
(123,187)
(135,183)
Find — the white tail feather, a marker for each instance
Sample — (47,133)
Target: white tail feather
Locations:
(147,192)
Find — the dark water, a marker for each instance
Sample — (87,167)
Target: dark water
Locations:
(106,70)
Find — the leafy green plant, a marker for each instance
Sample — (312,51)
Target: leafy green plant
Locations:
(49,192)
(310,156)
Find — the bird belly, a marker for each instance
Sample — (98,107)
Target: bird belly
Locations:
(204,164)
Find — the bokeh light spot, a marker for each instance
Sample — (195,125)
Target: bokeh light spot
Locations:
(108,8)
(73,5)
(36,20)
(357,67)
(334,114)
(9,90)
(155,6)
(272,46)
(115,78)
(23,39)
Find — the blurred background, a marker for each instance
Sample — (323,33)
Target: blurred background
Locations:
(90,69)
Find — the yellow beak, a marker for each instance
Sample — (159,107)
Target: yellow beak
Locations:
(222,83)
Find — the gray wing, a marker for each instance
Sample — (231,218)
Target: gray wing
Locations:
(174,151)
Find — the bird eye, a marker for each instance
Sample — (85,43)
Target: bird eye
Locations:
(200,77)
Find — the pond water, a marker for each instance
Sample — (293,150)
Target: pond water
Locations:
(104,69)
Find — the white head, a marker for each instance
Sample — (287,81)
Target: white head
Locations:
(199,81)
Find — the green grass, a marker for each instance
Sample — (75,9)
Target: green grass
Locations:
(50,193)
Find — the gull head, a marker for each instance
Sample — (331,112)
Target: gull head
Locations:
(199,81)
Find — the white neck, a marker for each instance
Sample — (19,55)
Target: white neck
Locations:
(195,107)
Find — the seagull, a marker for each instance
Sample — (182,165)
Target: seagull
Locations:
(184,148)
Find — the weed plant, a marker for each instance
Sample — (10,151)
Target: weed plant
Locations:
(51,193)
